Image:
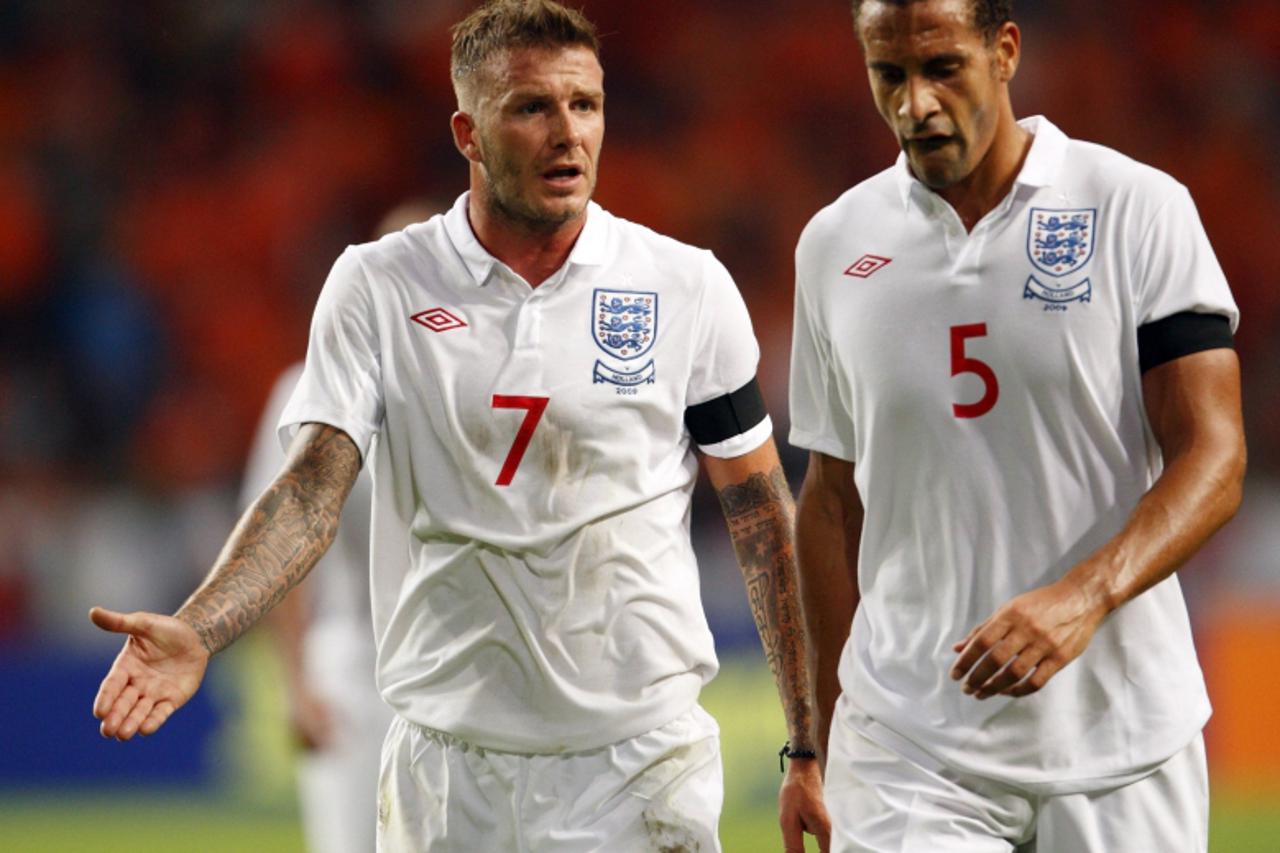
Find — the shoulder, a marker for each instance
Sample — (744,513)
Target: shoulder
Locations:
(399,248)
(634,239)
(397,260)
(1118,179)
(857,209)
(641,249)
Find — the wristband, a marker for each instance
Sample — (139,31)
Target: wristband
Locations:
(788,752)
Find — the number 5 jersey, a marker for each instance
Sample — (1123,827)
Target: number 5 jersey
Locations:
(987,387)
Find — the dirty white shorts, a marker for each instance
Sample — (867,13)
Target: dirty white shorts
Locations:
(659,791)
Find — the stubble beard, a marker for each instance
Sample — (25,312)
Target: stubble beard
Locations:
(502,183)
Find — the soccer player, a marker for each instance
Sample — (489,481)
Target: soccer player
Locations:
(525,376)
(1013,369)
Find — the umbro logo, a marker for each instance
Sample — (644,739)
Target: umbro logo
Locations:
(867,265)
(438,320)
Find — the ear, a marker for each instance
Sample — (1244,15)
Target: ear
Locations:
(464,135)
(1008,50)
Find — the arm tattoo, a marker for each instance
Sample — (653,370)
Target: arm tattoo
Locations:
(761,516)
(277,541)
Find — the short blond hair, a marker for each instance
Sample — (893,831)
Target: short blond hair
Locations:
(501,25)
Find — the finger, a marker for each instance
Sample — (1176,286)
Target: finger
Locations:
(819,826)
(140,712)
(1000,654)
(119,710)
(1046,670)
(978,646)
(792,834)
(1013,672)
(118,623)
(109,691)
(156,718)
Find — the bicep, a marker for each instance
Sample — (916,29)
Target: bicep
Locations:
(829,494)
(1194,402)
(323,461)
(739,469)
(829,521)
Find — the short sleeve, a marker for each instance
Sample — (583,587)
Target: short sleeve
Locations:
(341,384)
(819,417)
(1175,268)
(725,356)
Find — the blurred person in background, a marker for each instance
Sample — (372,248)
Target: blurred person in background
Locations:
(526,375)
(1013,368)
(323,631)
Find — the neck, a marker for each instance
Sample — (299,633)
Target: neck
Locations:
(992,179)
(533,253)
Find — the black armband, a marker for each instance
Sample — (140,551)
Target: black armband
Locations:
(726,416)
(1181,334)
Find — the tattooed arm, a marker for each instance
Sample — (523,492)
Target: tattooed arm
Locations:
(760,512)
(279,538)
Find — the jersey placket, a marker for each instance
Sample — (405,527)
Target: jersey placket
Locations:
(965,249)
(526,363)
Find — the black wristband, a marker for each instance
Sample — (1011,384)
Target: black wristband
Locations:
(788,752)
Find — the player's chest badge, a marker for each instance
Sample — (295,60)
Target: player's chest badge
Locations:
(1060,244)
(624,324)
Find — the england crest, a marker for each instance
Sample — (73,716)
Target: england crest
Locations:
(624,322)
(1060,242)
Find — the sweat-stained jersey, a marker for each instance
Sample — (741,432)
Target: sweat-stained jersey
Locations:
(986,386)
(534,586)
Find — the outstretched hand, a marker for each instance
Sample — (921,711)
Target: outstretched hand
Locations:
(801,808)
(1027,641)
(158,670)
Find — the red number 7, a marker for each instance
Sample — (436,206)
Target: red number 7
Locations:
(534,407)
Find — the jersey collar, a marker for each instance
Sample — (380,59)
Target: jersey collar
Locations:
(589,250)
(1039,169)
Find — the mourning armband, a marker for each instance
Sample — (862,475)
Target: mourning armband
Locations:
(1181,334)
(726,416)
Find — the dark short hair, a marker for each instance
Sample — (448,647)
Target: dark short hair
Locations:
(500,25)
(988,15)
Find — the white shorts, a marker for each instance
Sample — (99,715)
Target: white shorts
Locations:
(881,800)
(661,790)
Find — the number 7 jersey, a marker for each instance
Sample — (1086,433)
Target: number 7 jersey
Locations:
(534,588)
(986,386)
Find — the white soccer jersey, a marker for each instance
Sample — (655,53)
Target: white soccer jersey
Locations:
(987,387)
(534,586)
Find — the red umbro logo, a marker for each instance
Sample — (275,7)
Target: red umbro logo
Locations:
(438,320)
(867,265)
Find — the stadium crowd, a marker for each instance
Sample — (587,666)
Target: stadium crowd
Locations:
(175,181)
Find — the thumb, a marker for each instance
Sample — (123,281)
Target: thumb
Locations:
(118,623)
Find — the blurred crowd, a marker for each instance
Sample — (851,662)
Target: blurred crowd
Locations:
(176,179)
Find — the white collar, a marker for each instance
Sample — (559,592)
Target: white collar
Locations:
(588,249)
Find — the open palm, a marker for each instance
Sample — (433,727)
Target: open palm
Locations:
(158,670)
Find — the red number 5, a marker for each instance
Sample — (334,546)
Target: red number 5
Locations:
(961,363)
(534,407)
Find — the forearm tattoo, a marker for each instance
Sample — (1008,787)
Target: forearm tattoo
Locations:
(761,516)
(277,541)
